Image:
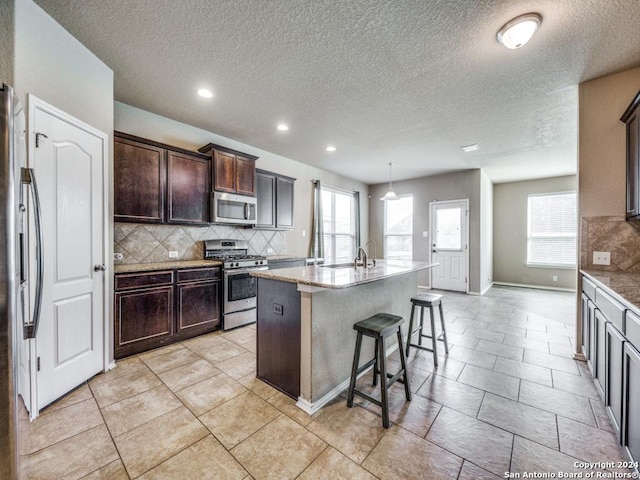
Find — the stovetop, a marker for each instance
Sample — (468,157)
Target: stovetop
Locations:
(233,253)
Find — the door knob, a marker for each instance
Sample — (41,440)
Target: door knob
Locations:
(99,268)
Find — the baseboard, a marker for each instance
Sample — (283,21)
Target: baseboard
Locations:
(579,356)
(423,287)
(537,287)
(313,407)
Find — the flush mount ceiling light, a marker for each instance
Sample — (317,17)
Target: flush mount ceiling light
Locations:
(469,148)
(390,195)
(282,127)
(517,32)
(204,93)
(331,148)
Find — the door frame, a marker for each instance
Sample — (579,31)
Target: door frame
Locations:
(34,103)
(432,205)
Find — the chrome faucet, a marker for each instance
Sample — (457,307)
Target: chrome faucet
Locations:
(363,257)
(373,260)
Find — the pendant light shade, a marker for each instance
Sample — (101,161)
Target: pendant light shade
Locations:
(390,195)
(517,32)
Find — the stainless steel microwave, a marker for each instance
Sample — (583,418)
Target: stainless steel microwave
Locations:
(234,209)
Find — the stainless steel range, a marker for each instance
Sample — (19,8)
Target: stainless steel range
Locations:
(239,287)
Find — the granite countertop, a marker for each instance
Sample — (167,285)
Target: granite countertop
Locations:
(147,267)
(342,277)
(625,286)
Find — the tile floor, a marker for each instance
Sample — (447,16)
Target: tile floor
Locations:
(509,398)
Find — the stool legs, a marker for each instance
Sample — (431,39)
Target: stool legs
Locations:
(354,370)
(444,330)
(434,337)
(383,382)
(403,362)
(410,332)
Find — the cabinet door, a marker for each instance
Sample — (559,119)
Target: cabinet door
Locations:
(599,360)
(188,188)
(245,176)
(284,203)
(139,177)
(224,172)
(584,316)
(631,402)
(265,194)
(198,308)
(613,372)
(592,336)
(633,167)
(143,320)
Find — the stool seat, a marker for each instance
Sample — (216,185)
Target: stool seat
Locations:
(379,327)
(426,299)
(422,301)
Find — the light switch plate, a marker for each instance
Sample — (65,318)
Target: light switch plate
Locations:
(602,258)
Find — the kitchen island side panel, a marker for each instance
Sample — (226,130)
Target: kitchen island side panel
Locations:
(332,337)
(278,335)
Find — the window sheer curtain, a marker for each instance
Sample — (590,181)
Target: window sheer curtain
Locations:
(356,208)
(316,242)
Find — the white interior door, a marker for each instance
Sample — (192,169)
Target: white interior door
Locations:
(449,245)
(69,162)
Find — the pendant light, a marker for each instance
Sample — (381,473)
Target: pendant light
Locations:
(390,195)
(515,33)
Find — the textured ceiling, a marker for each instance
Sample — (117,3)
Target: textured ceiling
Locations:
(405,81)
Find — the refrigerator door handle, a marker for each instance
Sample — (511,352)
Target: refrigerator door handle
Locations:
(30,330)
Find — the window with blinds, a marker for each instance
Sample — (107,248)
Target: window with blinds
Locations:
(552,230)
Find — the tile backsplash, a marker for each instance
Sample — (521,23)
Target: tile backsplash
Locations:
(610,234)
(143,243)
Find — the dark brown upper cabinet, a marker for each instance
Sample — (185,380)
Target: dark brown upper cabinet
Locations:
(233,171)
(187,188)
(158,183)
(138,181)
(275,200)
(630,118)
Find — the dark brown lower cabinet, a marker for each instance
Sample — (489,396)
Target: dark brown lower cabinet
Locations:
(153,309)
(198,302)
(278,335)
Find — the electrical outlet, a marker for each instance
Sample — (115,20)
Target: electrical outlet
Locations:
(173,254)
(602,258)
(277,309)
(118,256)
(425,234)
(269,250)
(555,278)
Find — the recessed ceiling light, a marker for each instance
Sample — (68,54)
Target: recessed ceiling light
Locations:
(331,148)
(283,128)
(470,148)
(203,92)
(517,32)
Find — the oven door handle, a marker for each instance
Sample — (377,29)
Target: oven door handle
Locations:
(239,271)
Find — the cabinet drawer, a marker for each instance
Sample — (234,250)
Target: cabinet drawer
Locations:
(198,274)
(613,310)
(125,281)
(632,329)
(589,288)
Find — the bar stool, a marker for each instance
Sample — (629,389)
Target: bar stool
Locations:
(379,327)
(428,300)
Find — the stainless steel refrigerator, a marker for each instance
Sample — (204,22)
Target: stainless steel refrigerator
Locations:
(18,318)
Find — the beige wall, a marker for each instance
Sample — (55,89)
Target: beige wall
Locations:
(510,234)
(486,232)
(451,186)
(58,69)
(7,17)
(601,142)
(148,125)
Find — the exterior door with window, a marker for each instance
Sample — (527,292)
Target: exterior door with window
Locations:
(449,245)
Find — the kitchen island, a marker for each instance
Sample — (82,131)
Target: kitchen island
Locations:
(305,336)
